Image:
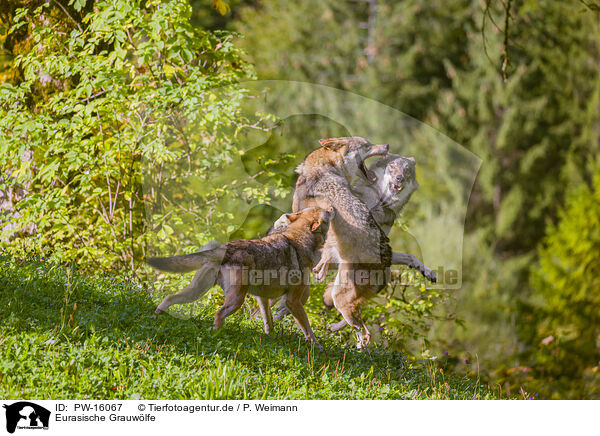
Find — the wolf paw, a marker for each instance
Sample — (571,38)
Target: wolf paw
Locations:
(320,271)
(429,274)
(280,314)
(318,346)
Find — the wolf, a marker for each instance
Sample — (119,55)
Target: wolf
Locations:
(268,268)
(363,250)
(395,183)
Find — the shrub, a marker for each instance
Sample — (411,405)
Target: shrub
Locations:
(568,296)
(115,117)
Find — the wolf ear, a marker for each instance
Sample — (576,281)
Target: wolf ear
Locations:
(333,143)
(292,216)
(325,216)
(412,159)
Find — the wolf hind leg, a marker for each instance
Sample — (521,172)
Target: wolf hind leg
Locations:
(353,317)
(203,280)
(347,302)
(234,298)
(283,311)
(264,306)
(328,301)
(327,295)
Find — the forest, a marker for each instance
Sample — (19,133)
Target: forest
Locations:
(131,128)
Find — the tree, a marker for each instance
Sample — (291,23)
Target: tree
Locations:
(536,132)
(116,114)
(567,297)
(393,52)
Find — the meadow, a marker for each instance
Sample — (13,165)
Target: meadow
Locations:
(68,335)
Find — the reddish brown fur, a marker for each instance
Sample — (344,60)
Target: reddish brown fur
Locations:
(362,245)
(291,250)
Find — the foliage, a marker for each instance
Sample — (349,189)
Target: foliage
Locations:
(69,335)
(113,117)
(533,129)
(515,82)
(395,52)
(535,132)
(567,298)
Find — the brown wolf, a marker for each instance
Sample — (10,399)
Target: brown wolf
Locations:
(270,267)
(363,250)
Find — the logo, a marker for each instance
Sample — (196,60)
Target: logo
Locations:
(26,415)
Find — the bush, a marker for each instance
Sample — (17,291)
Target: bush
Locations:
(568,296)
(117,117)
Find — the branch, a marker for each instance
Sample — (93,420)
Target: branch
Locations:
(506,60)
(68,15)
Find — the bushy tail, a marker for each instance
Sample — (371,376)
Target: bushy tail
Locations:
(210,253)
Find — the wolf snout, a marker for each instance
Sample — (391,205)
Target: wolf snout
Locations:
(380,149)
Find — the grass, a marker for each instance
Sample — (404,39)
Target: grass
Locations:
(64,335)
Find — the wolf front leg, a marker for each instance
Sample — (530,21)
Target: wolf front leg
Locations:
(320,270)
(296,306)
(234,298)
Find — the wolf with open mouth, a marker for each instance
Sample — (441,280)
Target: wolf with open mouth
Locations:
(370,198)
(362,248)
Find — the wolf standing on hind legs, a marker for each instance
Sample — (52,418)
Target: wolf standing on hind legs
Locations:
(363,248)
(396,182)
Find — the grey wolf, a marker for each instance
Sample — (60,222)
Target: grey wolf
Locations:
(396,182)
(274,266)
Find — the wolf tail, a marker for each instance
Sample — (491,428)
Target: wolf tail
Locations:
(211,253)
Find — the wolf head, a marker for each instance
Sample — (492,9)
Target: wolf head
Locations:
(399,181)
(315,218)
(354,151)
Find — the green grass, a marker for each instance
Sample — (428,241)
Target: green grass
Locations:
(67,335)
